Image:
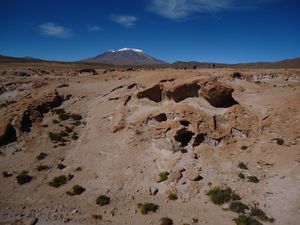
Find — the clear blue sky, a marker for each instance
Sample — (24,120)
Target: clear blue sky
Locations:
(203,30)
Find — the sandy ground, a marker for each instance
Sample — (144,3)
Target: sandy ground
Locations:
(124,163)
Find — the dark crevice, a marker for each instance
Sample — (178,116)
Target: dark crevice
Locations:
(9,136)
(154,93)
(161,117)
(185,91)
(185,123)
(183,136)
(26,122)
(199,139)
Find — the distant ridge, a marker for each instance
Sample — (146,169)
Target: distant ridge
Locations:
(288,63)
(136,57)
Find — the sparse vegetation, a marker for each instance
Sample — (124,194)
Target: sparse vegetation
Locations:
(78,169)
(102,200)
(55,136)
(261,215)
(55,121)
(172,196)
(6,174)
(58,181)
(64,116)
(238,207)
(241,175)
(219,196)
(147,208)
(246,220)
(42,167)
(58,111)
(75,116)
(166,221)
(75,136)
(61,166)
(77,123)
(76,190)
(7,103)
(163,176)
(23,178)
(41,156)
(242,166)
(69,129)
(253,179)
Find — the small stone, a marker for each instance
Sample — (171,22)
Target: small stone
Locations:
(175,176)
(193,174)
(74,211)
(31,221)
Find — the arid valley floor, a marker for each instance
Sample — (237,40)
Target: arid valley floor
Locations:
(172,137)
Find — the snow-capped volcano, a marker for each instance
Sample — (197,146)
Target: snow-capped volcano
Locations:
(125,56)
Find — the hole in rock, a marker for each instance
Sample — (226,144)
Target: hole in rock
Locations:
(26,122)
(185,123)
(161,117)
(184,91)
(154,93)
(183,136)
(9,136)
(200,138)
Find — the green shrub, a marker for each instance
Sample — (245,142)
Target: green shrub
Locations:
(75,116)
(58,181)
(6,174)
(147,207)
(41,156)
(261,215)
(55,121)
(241,175)
(69,129)
(55,136)
(219,196)
(172,196)
(76,190)
(23,178)
(102,200)
(253,179)
(75,136)
(61,166)
(42,167)
(64,116)
(166,221)
(242,166)
(238,207)
(58,111)
(163,176)
(63,134)
(77,123)
(246,220)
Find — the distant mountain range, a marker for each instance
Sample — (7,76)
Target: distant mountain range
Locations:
(137,57)
(125,56)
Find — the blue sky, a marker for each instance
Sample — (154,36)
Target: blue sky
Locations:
(230,31)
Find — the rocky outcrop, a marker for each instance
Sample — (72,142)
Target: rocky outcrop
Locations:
(31,110)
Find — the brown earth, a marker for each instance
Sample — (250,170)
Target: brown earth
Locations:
(123,128)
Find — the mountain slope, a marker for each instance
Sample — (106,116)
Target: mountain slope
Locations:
(125,56)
